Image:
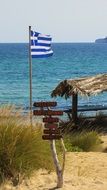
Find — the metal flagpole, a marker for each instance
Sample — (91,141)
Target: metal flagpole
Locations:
(30,74)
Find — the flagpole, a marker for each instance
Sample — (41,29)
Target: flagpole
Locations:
(30,74)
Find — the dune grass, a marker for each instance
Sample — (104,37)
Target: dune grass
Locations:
(96,123)
(85,141)
(22,149)
(85,134)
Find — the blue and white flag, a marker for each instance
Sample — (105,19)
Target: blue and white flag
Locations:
(40,45)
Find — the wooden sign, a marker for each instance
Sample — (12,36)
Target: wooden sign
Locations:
(50,119)
(45,104)
(47,112)
(51,126)
(49,131)
(51,137)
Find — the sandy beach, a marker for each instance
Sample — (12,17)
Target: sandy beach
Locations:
(83,170)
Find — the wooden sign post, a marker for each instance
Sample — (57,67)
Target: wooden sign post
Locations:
(52,133)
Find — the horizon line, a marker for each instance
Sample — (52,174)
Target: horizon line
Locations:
(52,42)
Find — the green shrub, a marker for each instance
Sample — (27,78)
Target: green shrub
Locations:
(69,146)
(85,141)
(22,149)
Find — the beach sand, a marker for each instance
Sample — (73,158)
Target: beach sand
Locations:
(83,171)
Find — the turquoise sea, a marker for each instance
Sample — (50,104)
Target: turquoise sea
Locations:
(70,60)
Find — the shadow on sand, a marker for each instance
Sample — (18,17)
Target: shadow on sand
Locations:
(54,188)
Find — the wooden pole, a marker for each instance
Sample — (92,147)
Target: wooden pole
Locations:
(57,164)
(30,74)
(64,153)
(74,107)
(59,170)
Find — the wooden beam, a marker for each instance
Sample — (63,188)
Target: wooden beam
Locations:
(74,107)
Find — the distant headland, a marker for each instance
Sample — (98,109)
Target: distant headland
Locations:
(101,40)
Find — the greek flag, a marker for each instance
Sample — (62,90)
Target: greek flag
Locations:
(40,45)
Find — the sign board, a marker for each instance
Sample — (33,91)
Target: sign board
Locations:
(50,119)
(48,131)
(52,132)
(45,104)
(47,112)
(51,126)
(51,137)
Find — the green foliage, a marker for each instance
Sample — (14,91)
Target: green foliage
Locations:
(85,141)
(22,149)
(69,146)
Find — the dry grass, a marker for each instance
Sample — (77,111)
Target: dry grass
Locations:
(22,149)
(85,141)
(86,124)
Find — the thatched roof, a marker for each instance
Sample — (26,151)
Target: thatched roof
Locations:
(84,86)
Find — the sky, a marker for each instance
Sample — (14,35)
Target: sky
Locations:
(64,20)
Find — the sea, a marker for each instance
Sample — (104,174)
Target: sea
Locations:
(69,61)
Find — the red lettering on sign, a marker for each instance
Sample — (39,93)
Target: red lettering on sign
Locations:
(51,126)
(45,104)
(47,112)
(51,137)
(49,131)
(51,119)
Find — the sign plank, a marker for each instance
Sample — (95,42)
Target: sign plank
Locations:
(51,137)
(51,126)
(45,104)
(50,119)
(47,112)
(49,131)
